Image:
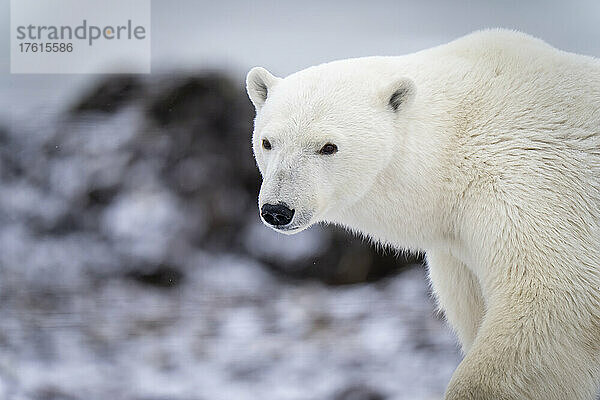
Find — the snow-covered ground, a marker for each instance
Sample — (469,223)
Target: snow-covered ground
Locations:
(232,332)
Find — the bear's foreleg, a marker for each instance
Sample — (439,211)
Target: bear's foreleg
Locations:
(528,348)
(458,295)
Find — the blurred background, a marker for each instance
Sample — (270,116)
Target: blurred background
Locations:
(133,264)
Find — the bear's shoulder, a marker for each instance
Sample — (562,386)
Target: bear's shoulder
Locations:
(494,43)
(499,37)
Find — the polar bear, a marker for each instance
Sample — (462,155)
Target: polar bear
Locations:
(485,154)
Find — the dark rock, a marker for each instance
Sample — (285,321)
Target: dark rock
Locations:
(3,136)
(352,260)
(108,95)
(52,393)
(101,196)
(359,393)
(10,167)
(163,276)
(207,102)
(330,255)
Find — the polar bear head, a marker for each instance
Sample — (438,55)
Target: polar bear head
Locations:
(321,137)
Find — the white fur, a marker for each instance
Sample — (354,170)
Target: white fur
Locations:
(491,165)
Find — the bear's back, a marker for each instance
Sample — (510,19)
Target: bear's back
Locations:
(510,83)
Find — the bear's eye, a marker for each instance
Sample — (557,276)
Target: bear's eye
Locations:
(328,149)
(266,144)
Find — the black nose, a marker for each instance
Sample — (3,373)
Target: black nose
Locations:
(276,214)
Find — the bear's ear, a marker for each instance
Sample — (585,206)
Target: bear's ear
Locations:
(258,83)
(399,93)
